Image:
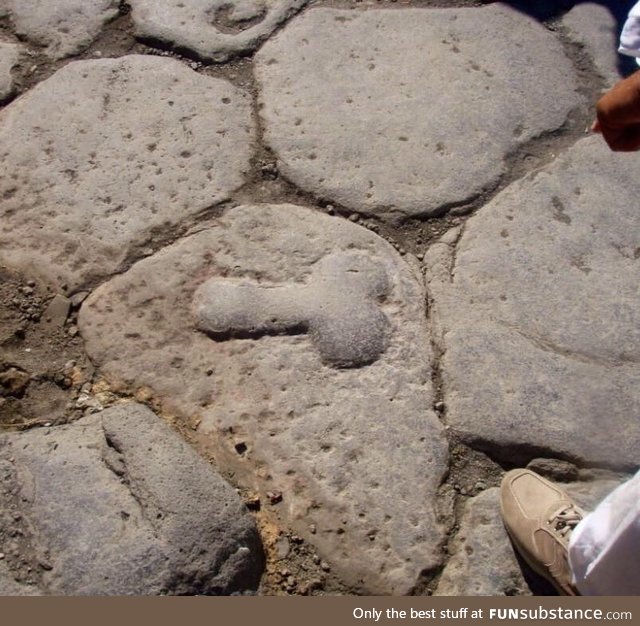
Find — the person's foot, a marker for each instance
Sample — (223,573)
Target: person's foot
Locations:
(540,518)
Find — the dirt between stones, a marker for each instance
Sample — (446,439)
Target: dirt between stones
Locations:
(44,373)
(47,379)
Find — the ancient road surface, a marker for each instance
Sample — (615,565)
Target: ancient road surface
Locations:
(361,257)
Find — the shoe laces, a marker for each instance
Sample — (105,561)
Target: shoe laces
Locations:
(565,519)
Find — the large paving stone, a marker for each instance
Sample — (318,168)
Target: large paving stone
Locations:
(9,55)
(484,562)
(117,503)
(408,112)
(542,291)
(214,30)
(297,344)
(594,27)
(61,27)
(104,153)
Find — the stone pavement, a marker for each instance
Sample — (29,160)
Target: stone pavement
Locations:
(360,255)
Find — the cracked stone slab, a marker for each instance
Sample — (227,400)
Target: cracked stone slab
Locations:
(484,562)
(214,30)
(132,146)
(119,504)
(594,27)
(296,344)
(61,27)
(9,56)
(412,112)
(541,290)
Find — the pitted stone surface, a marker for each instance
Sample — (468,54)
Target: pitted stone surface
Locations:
(212,29)
(542,292)
(117,503)
(356,452)
(103,153)
(484,561)
(411,112)
(336,308)
(592,26)
(62,27)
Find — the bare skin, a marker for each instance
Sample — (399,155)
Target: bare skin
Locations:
(618,115)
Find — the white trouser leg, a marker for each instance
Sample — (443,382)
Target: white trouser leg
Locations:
(604,550)
(630,36)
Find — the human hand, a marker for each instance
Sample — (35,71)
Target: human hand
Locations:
(618,115)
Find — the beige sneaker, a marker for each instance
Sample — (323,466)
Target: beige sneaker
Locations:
(539,518)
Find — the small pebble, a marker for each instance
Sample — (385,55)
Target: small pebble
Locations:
(78,298)
(354,217)
(325,566)
(282,547)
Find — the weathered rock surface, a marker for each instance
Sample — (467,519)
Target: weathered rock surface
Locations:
(297,342)
(542,291)
(9,55)
(412,112)
(214,30)
(484,561)
(130,146)
(117,503)
(592,26)
(61,27)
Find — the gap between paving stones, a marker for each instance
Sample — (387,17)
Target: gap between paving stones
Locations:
(412,234)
